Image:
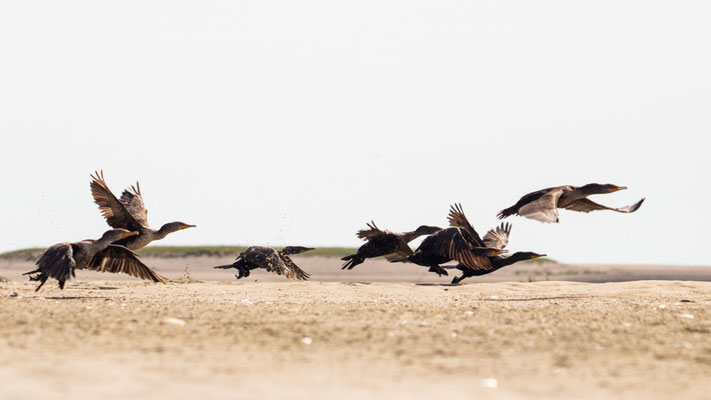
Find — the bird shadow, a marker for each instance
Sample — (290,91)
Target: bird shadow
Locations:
(541,298)
(75,297)
(437,284)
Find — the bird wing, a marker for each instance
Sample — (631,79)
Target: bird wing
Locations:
(58,262)
(587,205)
(458,219)
(403,251)
(113,210)
(544,209)
(133,202)
(450,243)
(294,271)
(118,259)
(498,237)
(267,258)
(370,233)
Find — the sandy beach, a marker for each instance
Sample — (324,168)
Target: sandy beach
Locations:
(413,338)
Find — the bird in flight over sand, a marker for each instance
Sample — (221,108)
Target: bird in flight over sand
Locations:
(270,259)
(385,243)
(130,213)
(62,259)
(543,205)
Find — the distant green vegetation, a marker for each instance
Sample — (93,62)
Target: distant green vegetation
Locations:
(543,260)
(186,251)
(32,254)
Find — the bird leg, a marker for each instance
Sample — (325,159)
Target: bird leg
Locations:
(438,270)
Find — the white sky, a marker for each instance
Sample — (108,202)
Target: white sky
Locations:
(295,122)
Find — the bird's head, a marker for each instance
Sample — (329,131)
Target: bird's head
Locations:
(296,249)
(171,227)
(597,188)
(427,230)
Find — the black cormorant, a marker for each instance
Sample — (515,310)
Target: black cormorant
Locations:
(388,244)
(62,259)
(496,238)
(270,259)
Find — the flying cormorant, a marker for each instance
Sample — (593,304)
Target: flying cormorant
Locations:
(62,259)
(496,238)
(542,205)
(129,213)
(388,244)
(270,259)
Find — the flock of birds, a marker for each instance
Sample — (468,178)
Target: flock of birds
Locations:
(474,256)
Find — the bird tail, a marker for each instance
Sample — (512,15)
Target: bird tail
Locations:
(400,259)
(228,266)
(352,260)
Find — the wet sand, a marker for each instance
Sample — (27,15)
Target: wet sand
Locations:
(413,338)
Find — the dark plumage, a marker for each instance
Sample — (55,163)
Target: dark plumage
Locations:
(542,205)
(384,243)
(460,243)
(62,259)
(130,213)
(270,259)
(496,238)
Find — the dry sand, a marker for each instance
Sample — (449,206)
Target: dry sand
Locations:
(549,339)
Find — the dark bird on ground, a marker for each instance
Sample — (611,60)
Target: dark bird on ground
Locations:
(62,259)
(496,238)
(543,205)
(130,213)
(270,259)
(460,243)
(384,243)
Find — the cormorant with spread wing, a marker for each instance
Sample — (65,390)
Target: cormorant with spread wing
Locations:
(273,261)
(62,259)
(459,242)
(542,205)
(496,238)
(384,243)
(130,213)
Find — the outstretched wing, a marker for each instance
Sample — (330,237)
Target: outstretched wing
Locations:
(587,205)
(113,210)
(118,259)
(372,232)
(133,201)
(498,237)
(58,262)
(458,219)
(450,243)
(544,209)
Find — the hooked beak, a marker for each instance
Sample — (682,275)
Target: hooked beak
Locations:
(308,249)
(187,226)
(127,234)
(540,255)
(618,188)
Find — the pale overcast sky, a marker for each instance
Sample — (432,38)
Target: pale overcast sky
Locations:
(296,122)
